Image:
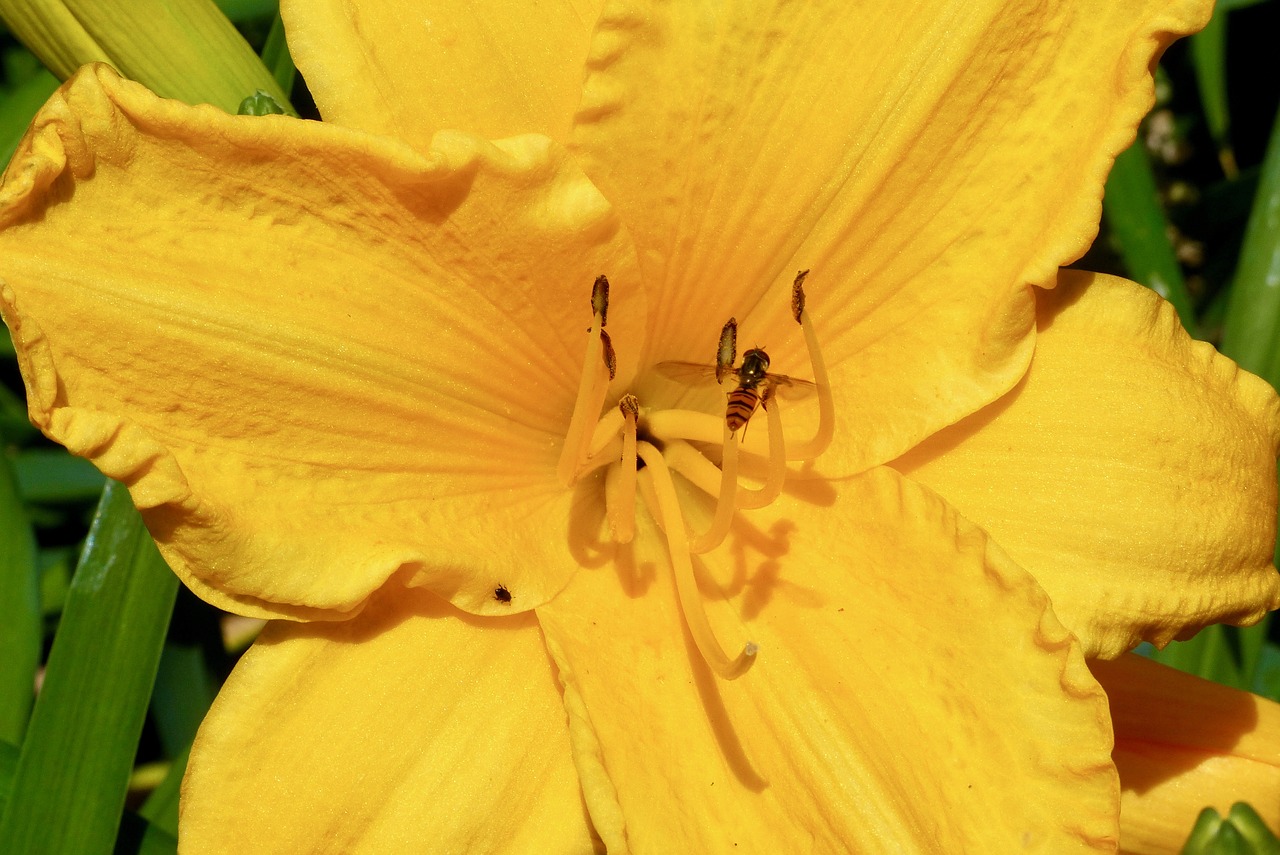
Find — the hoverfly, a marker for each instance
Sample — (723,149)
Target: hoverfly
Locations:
(756,385)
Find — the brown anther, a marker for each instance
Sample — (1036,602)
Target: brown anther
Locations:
(629,404)
(600,299)
(728,352)
(797,295)
(610,361)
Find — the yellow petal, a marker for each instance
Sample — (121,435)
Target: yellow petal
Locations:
(1184,744)
(315,356)
(1132,471)
(410,728)
(904,153)
(912,691)
(482,67)
(187,50)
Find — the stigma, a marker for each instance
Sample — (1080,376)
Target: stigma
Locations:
(643,450)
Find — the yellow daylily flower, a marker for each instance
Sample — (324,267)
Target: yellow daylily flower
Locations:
(353,376)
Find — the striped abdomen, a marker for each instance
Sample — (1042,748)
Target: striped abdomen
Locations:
(742,403)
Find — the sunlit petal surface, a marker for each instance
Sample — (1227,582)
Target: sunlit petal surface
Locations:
(316,357)
(411,728)
(926,160)
(883,714)
(408,70)
(1132,470)
(1184,744)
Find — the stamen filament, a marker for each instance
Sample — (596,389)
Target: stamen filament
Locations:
(726,499)
(591,391)
(826,406)
(620,480)
(695,616)
(693,465)
(777,475)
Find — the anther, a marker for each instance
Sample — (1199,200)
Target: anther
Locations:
(695,616)
(797,295)
(600,299)
(826,406)
(610,361)
(728,351)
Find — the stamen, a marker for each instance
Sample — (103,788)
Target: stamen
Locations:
(777,474)
(591,391)
(826,406)
(620,480)
(726,499)
(695,616)
(693,465)
(607,429)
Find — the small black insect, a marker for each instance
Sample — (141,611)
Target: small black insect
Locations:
(501,594)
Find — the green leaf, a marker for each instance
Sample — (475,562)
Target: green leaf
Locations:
(161,808)
(247,10)
(1252,828)
(16,112)
(73,771)
(1211,654)
(53,475)
(8,764)
(55,580)
(1251,334)
(1241,832)
(1266,679)
(21,629)
(140,837)
(1141,230)
(184,691)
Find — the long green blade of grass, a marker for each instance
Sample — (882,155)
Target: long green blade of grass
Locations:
(16,111)
(8,763)
(22,626)
(69,788)
(1251,334)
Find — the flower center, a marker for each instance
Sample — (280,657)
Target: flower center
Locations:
(642,447)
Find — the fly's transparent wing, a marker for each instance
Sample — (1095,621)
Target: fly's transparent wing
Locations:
(690,373)
(788,388)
